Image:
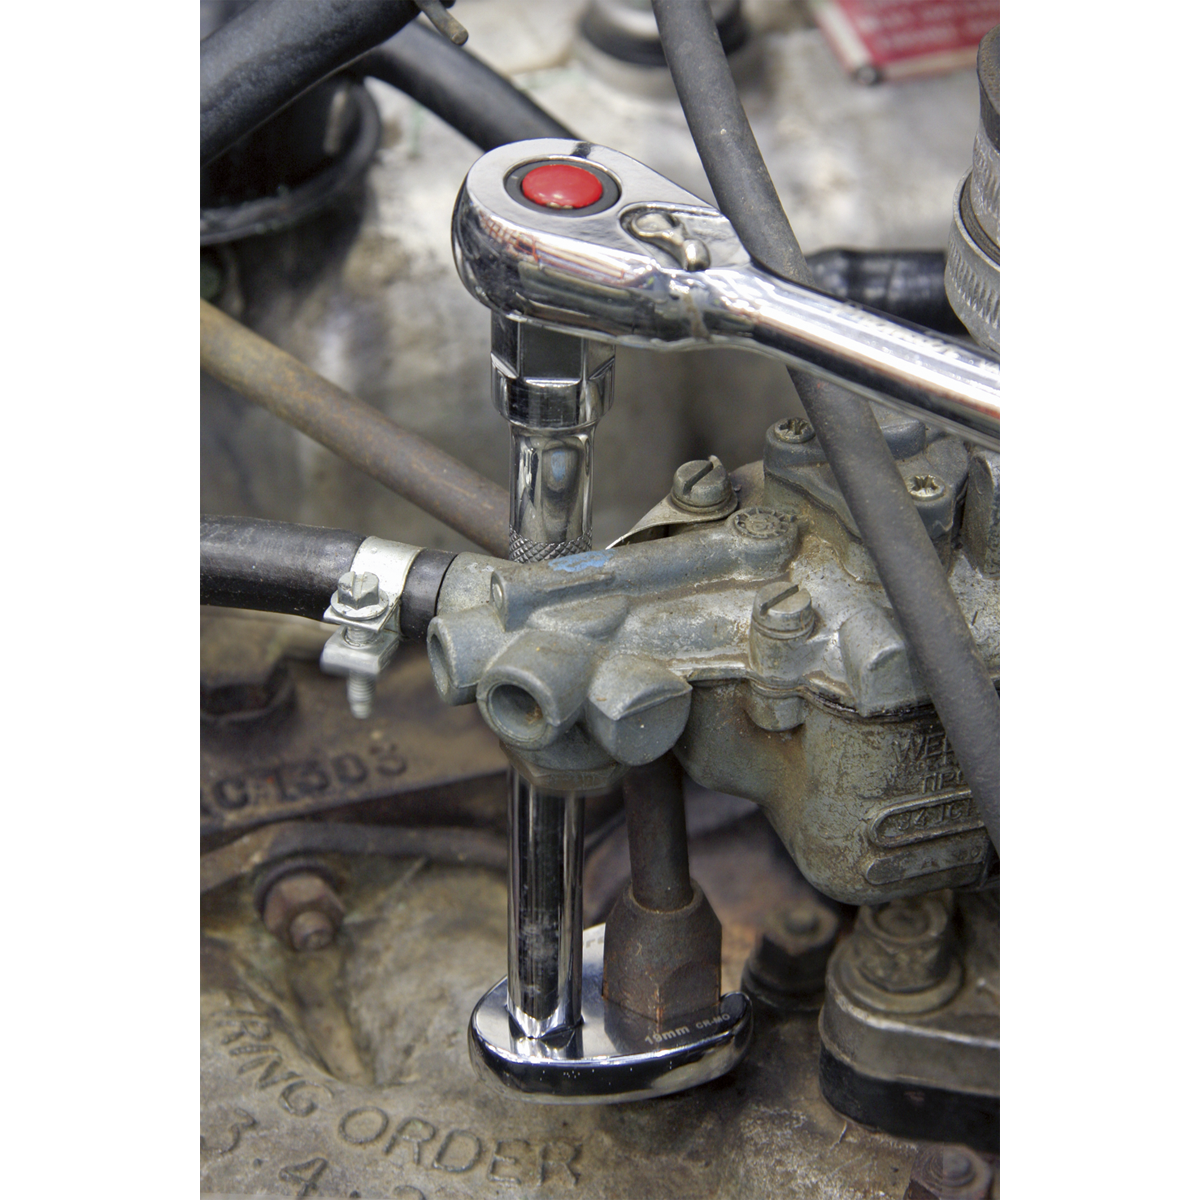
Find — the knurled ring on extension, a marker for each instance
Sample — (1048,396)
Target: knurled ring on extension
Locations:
(522,550)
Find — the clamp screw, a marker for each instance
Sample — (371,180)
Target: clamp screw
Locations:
(358,596)
(784,608)
(701,483)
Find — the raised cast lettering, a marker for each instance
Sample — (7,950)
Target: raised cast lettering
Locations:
(421,1132)
(452,1155)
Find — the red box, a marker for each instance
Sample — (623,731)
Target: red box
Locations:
(903,39)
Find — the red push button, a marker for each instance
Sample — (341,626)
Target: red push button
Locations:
(561,185)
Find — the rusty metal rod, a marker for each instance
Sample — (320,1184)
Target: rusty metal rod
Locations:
(658,849)
(267,845)
(402,461)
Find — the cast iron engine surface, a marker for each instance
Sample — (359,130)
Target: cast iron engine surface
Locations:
(345,1072)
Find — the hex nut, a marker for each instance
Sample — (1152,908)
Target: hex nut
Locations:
(787,968)
(358,595)
(774,710)
(662,965)
(303,911)
(636,709)
(574,763)
(905,946)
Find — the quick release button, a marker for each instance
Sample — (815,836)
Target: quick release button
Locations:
(561,185)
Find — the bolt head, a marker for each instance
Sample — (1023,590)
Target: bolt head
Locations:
(701,483)
(905,946)
(783,608)
(762,523)
(952,1171)
(924,486)
(794,948)
(357,591)
(957,1168)
(294,896)
(795,431)
(311,930)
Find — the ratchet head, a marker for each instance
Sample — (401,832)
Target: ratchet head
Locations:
(586,240)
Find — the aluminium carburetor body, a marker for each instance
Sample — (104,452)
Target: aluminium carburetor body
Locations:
(758,644)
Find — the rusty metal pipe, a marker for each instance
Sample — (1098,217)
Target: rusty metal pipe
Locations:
(658,849)
(402,461)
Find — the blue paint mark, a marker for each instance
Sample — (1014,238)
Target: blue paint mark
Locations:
(580,562)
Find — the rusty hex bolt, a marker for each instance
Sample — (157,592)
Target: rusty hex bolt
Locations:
(303,911)
(905,946)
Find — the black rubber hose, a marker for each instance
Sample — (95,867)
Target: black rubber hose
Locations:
(911,572)
(418,601)
(727,146)
(460,89)
(275,567)
(909,284)
(272,566)
(275,50)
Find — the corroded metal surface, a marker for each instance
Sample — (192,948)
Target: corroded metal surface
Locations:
(345,1072)
(413,761)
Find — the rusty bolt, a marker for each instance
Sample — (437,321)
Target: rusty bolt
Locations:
(303,911)
(787,967)
(905,946)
